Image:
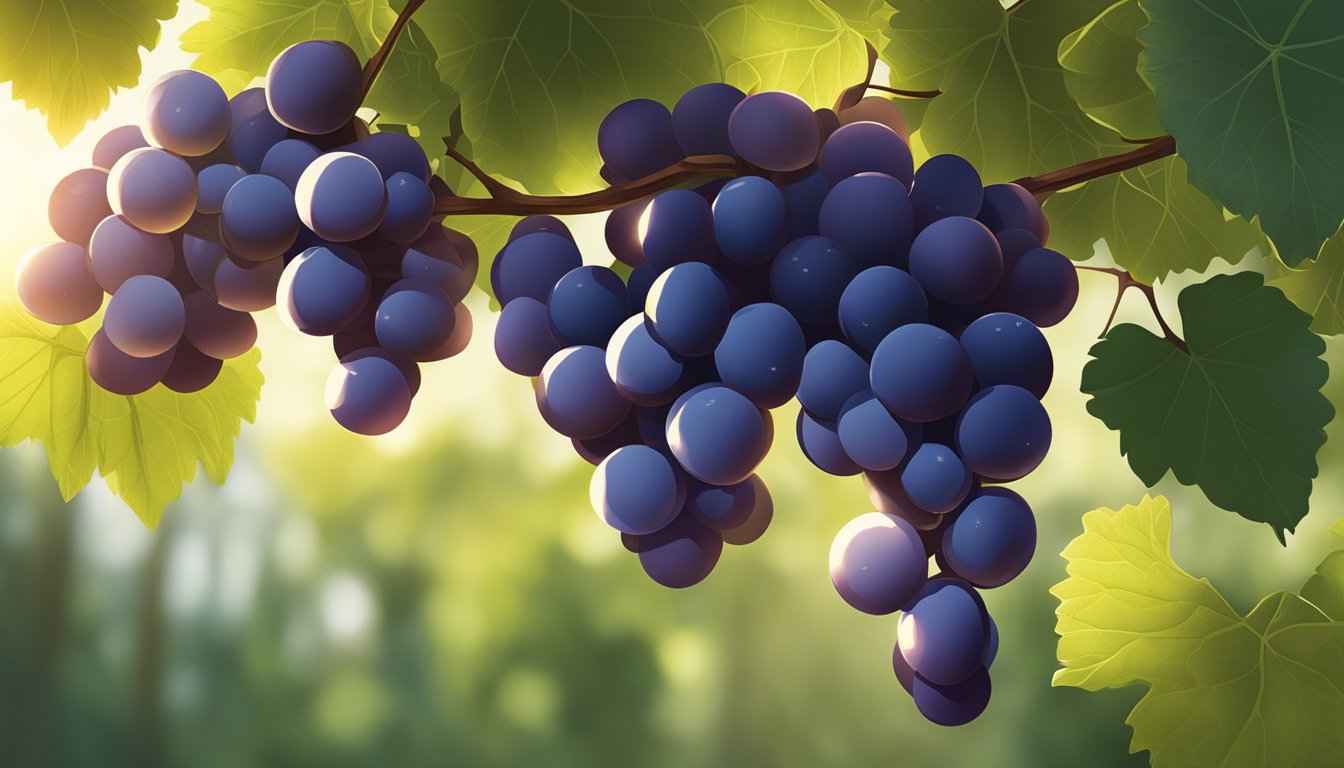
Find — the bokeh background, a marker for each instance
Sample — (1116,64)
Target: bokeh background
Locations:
(445,596)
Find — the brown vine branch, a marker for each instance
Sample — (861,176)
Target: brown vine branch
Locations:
(1053,181)
(379,57)
(1125,281)
(853,94)
(905,93)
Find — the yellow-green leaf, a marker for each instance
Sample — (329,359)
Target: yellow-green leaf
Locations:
(66,57)
(1224,689)
(1101,71)
(1318,288)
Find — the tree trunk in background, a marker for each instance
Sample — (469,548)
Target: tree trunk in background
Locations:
(38,681)
(147,732)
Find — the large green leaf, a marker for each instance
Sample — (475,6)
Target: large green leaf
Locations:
(146,446)
(1224,690)
(1252,93)
(65,57)
(1004,105)
(1319,287)
(1240,415)
(1101,71)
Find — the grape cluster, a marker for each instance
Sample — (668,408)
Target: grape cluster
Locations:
(214,208)
(900,306)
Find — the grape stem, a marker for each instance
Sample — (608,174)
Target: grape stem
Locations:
(1043,185)
(379,57)
(1125,282)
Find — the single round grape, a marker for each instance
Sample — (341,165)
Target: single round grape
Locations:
(410,207)
(145,317)
(945,185)
(637,490)
(952,705)
(957,260)
(871,437)
(878,301)
(253,130)
(680,230)
(808,277)
(115,144)
(636,138)
(723,507)
(761,354)
(864,146)
(682,554)
(822,446)
(1004,433)
(751,220)
(249,288)
(870,218)
(368,395)
(1007,349)
(258,221)
(888,495)
(639,283)
(936,479)
(214,182)
(437,257)
(643,370)
(120,373)
(717,435)
(186,113)
(409,370)
(1009,206)
(586,305)
(119,251)
(531,265)
(877,563)
(217,331)
(943,633)
(191,369)
(762,512)
(877,109)
(393,153)
(1043,287)
(523,337)
(596,449)
(992,539)
(622,232)
(775,130)
(341,197)
(414,319)
(688,309)
(56,285)
(78,204)
(315,86)
(575,395)
(323,289)
(287,160)
(832,374)
(700,119)
(154,189)
(805,198)
(921,373)
(540,223)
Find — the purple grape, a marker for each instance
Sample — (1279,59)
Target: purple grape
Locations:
(217,331)
(871,437)
(808,277)
(1043,287)
(717,435)
(415,319)
(935,479)
(258,221)
(393,153)
(145,317)
(531,265)
(1009,206)
(888,495)
(191,369)
(595,449)
(154,189)
(119,251)
(341,197)
(56,286)
(832,374)
(952,705)
(253,130)
(436,258)
(287,160)
(523,337)
(643,370)
(870,218)
(682,554)
(637,490)
(1004,433)
(775,131)
(202,257)
(680,230)
(861,147)
(458,340)
(576,397)
(878,301)
(758,520)
(751,220)
(409,370)
(877,563)
(78,204)
(1007,349)
(822,446)
(115,144)
(410,208)
(120,373)
(805,198)
(622,232)
(944,632)
(921,373)
(323,290)
(315,86)
(700,119)
(957,260)
(636,138)
(214,182)
(992,539)
(586,306)
(688,309)
(540,223)
(723,507)
(761,354)
(829,122)
(368,395)
(1013,243)
(639,283)
(186,113)
(945,185)
(248,288)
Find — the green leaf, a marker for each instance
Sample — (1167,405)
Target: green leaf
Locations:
(146,446)
(1224,690)
(1319,287)
(1252,95)
(870,19)
(1004,105)
(65,57)
(1240,415)
(1101,71)
(1325,588)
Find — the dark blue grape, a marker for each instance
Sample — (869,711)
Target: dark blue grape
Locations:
(186,113)
(253,130)
(120,373)
(56,285)
(323,290)
(808,277)
(1007,349)
(287,160)
(1043,287)
(214,182)
(1009,206)
(442,257)
(341,197)
(575,395)
(368,395)
(643,370)
(877,563)
(762,512)
(539,223)
(638,284)
(415,319)
(217,331)
(315,86)
(992,649)
(832,374)
(115,144)
(586,305)
(409,370)
(595,449)
(531,265)
(523,337)
(751,220)
(945,185)
(249,288)
(822,446)
(805,198)
(904,674)
(878,301)
(871,437)
(761,354)
(864,146)
(410,208)
(1004,433)
(154,189)
(888,495)
(700,119)
(191,370)
(952,705)
(682,554)
(622,233)
(944,632)
(717,435)
(957,260)
(636,138)
(723,507)
(258,221)
(921,373)
(145,317)
(992,539)
(935,479)
(688,309)
(393,153)
(680,230)
(119,251)
(78,205)
(636,490)
(775,131)
(1013,243)
(870,218)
